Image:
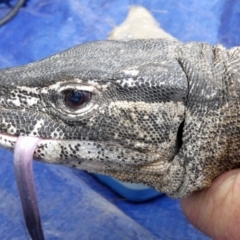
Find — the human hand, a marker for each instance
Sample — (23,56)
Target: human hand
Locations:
(216,211)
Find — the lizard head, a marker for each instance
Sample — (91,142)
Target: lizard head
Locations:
(110,107)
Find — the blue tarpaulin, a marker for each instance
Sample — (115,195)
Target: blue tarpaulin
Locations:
(73,204)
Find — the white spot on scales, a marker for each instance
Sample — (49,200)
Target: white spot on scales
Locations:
(37,126)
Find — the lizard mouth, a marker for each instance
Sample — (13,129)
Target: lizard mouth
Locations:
(7,141)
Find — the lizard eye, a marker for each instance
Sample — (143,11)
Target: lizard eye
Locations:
(75,99)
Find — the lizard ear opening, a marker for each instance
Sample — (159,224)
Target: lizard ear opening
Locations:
(179,140)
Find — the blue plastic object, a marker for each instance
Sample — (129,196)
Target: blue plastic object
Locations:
(132,192)
(73,204)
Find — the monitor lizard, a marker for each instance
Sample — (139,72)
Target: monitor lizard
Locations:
(160,112)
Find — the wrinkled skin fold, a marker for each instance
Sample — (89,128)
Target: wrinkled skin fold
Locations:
(162,112)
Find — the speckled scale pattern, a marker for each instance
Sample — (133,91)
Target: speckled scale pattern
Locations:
(142,92)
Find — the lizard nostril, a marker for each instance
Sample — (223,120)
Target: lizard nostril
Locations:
(179,141)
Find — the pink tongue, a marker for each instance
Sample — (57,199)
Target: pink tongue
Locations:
(23,155)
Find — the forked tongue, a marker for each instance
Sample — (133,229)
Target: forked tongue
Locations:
(23,156)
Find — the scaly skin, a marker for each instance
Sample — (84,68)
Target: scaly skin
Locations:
(161,112)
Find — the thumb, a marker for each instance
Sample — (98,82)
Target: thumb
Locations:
(216,210)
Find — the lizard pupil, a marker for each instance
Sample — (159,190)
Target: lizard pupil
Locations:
(76,98)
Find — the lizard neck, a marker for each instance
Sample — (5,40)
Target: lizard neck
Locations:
(211,139)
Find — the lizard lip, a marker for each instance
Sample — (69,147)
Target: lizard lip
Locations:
(8,141)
